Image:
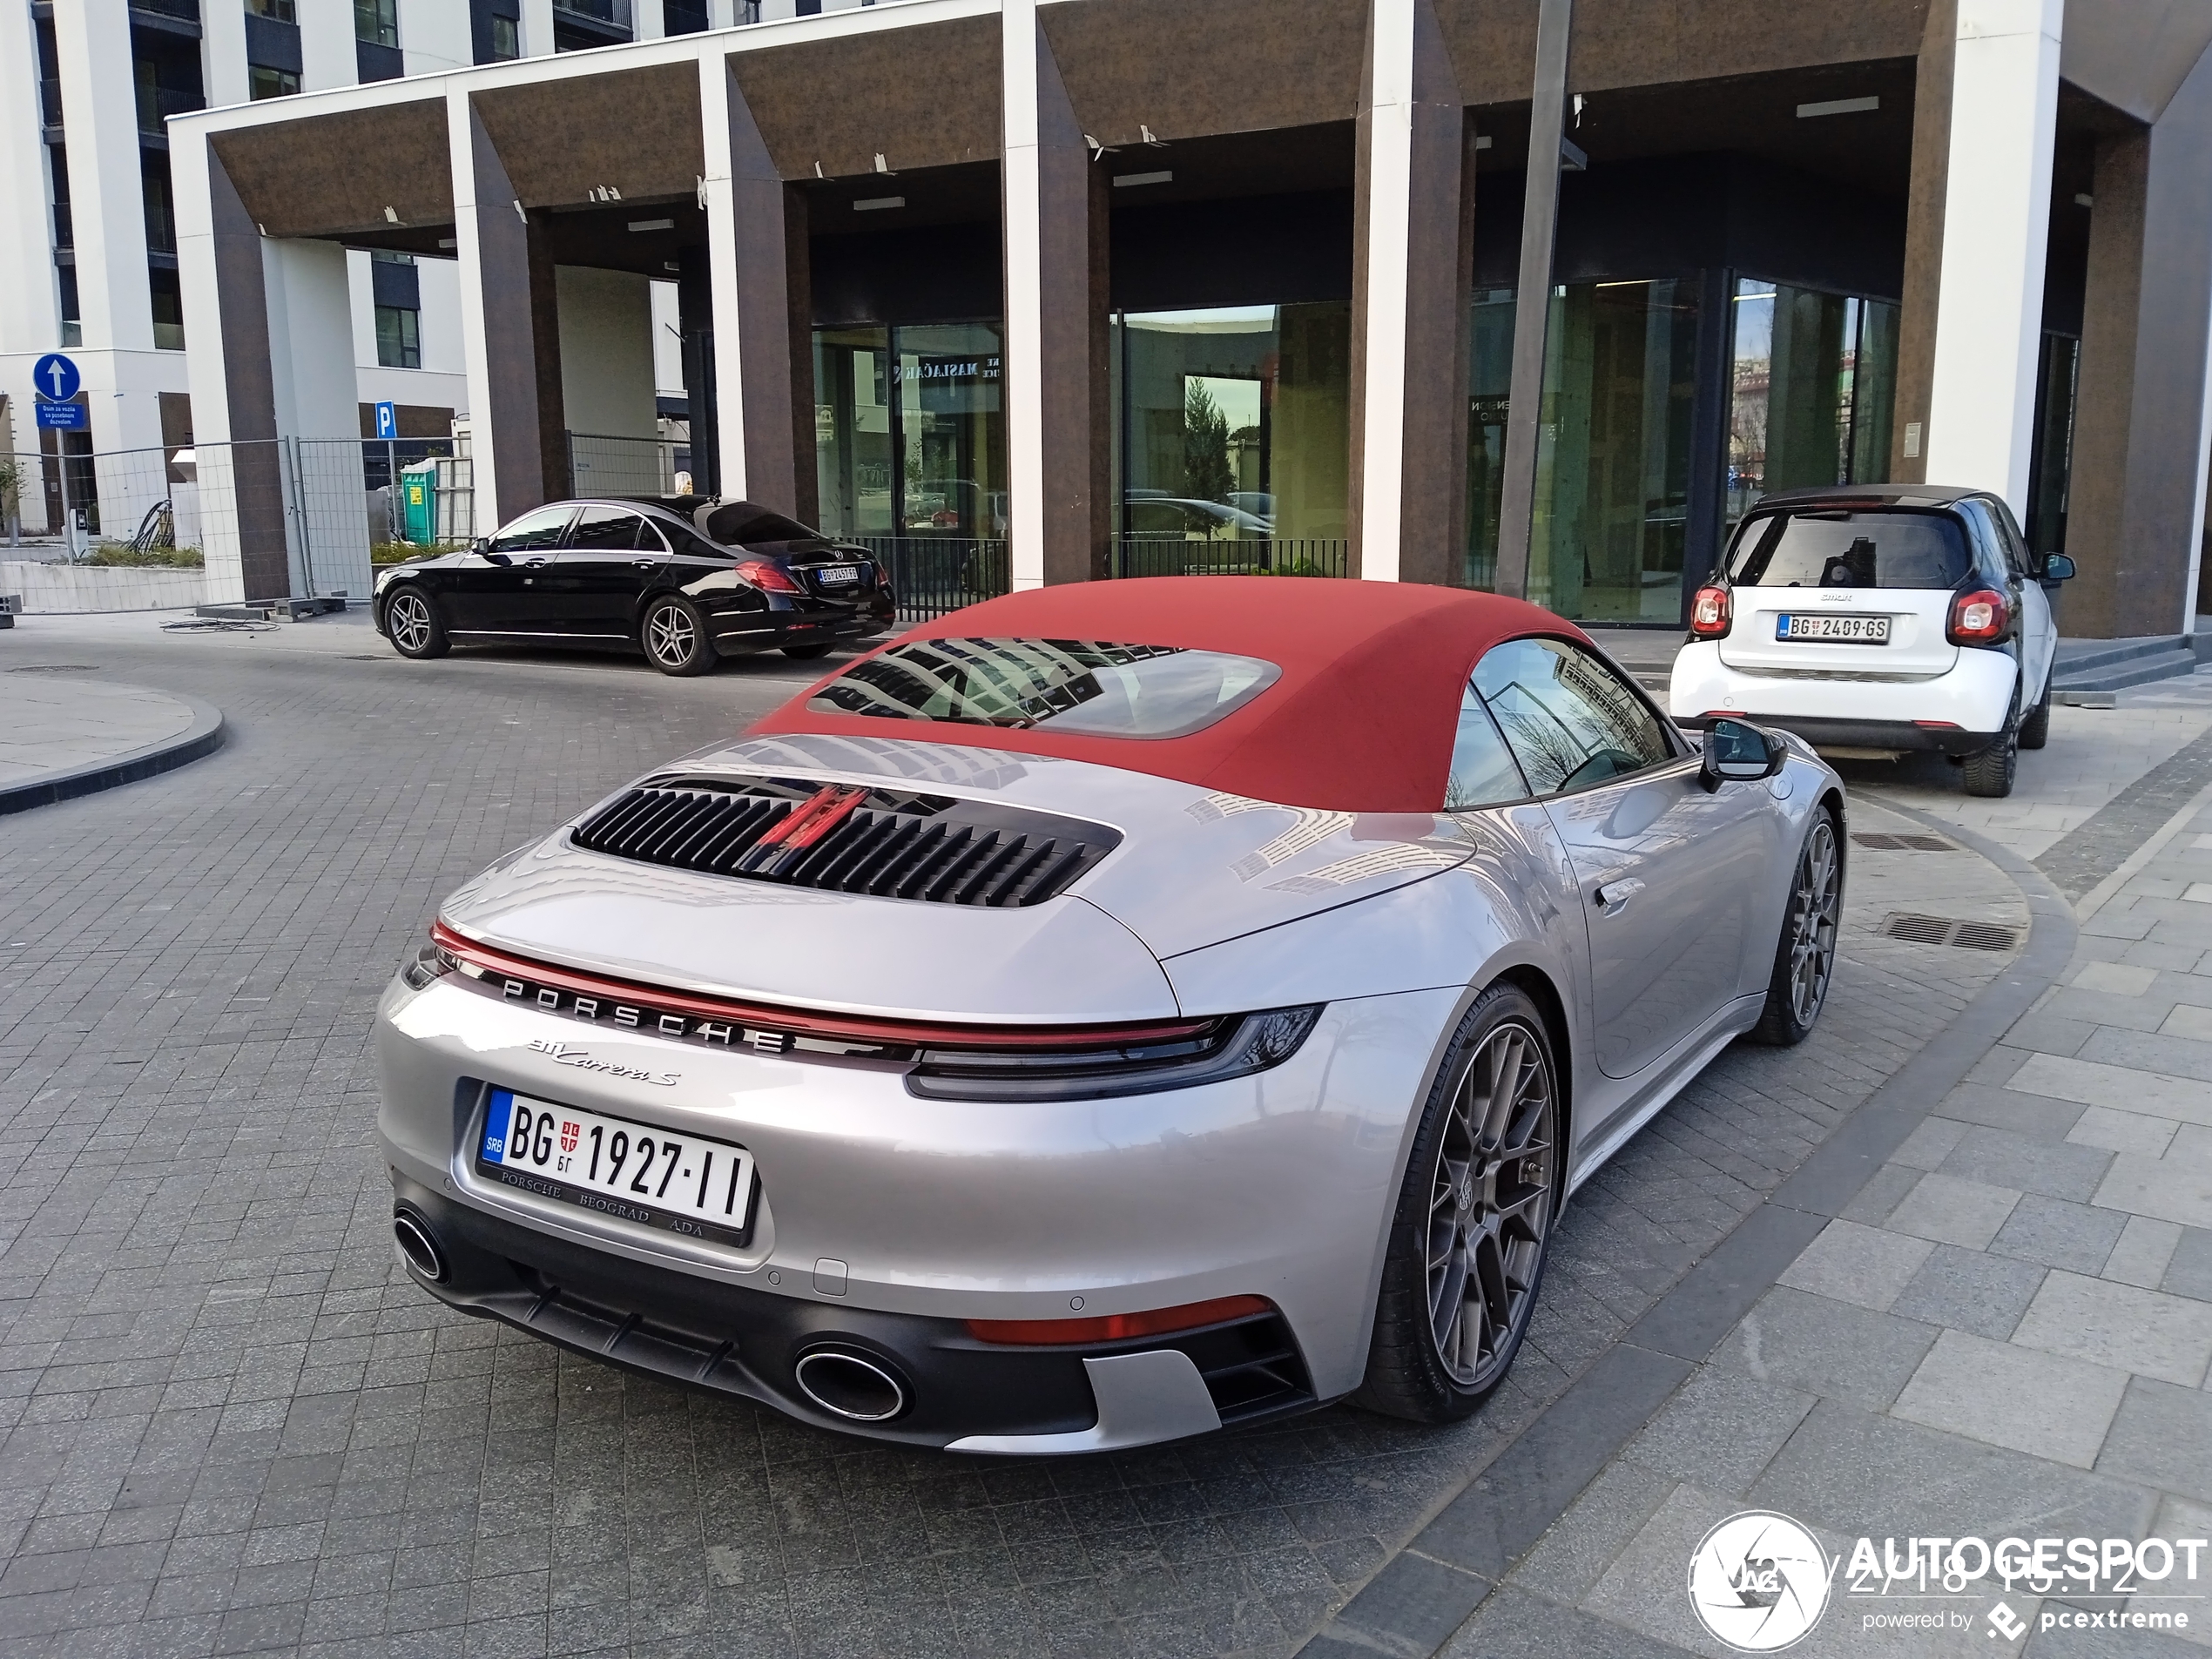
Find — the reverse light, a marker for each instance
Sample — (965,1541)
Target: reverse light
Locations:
(1709,613)
(432,963)
(1981,617)
(1114,1327)
(769,578)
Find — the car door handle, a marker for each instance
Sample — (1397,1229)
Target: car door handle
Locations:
(641,564)
(533,565)
(1612,896)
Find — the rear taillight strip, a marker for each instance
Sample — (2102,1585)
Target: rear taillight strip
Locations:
(851,1028)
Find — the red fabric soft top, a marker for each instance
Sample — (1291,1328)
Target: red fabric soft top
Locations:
(1362,720)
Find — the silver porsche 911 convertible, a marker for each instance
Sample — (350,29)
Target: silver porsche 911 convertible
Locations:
(1104,1014)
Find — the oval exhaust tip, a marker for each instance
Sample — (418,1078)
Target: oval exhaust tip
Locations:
(420,1248)
(850,1385)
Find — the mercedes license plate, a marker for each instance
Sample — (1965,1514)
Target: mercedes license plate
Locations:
(1843,630)
(838,576)
(636,1172)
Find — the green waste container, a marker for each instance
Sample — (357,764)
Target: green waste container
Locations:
(419,502)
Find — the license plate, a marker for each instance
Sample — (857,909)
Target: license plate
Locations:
(1848,631)
(636,1172)
(838,576)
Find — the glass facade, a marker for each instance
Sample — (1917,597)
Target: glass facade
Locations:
(1489,389)
(910,431)
(1810,388)
(1612,496)
(1232,425)
(2050,471)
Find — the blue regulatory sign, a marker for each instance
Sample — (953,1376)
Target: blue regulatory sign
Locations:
(63,417)
(56,377)
(387,420)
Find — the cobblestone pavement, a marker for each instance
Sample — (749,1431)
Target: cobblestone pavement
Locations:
(231,1424)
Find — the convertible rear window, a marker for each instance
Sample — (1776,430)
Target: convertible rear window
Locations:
(1083,686)
(1845,549)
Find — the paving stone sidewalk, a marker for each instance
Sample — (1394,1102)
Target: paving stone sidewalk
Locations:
(2008,1333)
(52,722)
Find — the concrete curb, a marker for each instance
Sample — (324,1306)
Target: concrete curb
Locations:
(1433,1584)
(203,737)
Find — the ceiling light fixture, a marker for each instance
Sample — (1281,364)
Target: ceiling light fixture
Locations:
(1837,107)
(1122,179)
(877,204)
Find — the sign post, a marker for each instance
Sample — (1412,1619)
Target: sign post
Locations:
(58,382)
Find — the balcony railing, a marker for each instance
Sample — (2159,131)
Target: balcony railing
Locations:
(158,103)
(182,11)
(613,13)
(1269,555)
(50,102)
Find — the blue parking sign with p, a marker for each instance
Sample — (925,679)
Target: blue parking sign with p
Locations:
(56,377)
(387,420)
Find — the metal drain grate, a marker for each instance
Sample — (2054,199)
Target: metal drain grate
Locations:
(1944,930)
(1882,841)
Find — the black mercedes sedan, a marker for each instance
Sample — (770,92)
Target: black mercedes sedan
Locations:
(684,580)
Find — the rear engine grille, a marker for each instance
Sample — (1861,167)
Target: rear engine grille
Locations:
(1944,930)
(849,839)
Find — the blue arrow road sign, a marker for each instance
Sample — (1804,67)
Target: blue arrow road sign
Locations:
(62,417)
(387,420)
(56,377)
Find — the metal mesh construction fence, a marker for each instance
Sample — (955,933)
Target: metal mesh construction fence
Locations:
(602,465)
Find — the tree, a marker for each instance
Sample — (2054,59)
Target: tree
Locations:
(1207,474)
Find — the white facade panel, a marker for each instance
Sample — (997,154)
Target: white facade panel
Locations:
(326,44)
(606,352)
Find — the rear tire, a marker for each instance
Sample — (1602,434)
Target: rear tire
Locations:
(2035,730)
(1473,1227)
(411,623)
(1804,957)
(1990,773)
(675,636)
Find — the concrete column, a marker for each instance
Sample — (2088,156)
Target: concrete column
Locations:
(1997,211)
(310,358)
(222,53)
(1414,251)
(326,57)
(1054,374)
(2137,515)
(1531,308)
(31,320)
(99,108)
(754,373)
(1927,182)
(537,28)
(647,21)
(721,14)
(508,326)
(434,35)
(224,279)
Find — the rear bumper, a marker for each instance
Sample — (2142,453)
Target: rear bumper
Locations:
(1958,711)
(1900,736)
(963,1395)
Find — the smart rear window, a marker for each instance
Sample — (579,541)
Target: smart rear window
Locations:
(1878,549)
(1087,687)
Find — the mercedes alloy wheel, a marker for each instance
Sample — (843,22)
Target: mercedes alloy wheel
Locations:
(674,635)
(411,621)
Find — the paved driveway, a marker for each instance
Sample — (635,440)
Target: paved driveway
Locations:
(231,1424)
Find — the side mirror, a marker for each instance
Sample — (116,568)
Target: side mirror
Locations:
(2057,568)
(1738,751)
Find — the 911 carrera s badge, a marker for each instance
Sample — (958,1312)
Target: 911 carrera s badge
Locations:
(561,1055)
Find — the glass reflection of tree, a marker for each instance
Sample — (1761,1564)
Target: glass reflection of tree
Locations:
(1207,472)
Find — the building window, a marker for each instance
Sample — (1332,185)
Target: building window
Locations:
(2050,469)
(399,339)
(377,22)
(1233,428)
(1813,378)
(275,10)
(506,39)
(911,431)
(168,309)
(1489,390)
(262,82)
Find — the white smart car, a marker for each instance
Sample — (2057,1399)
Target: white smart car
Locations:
(1875,621)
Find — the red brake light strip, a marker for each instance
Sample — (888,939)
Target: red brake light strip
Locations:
(849,1027)
(1112,1328)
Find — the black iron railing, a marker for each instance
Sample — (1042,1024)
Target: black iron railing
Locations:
(932,575)
(1135,555)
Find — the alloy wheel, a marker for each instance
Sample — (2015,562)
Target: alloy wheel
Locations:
(1814,899)
(671,636)
(1490,1205)
(410,621)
